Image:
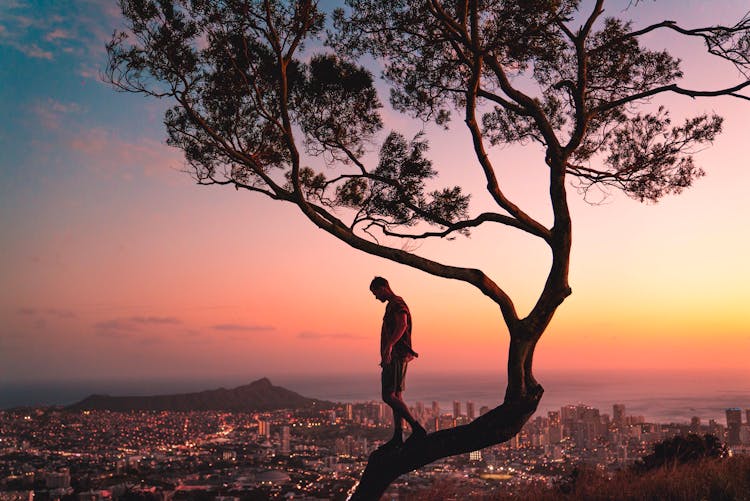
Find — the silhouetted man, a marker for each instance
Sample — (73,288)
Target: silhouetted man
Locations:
(395,354)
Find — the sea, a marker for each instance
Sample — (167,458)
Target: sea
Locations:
(661,397)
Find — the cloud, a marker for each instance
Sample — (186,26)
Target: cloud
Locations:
(155,320)
(50,112)
(242,327)
(60,313)
(33,50)
(58,34)
(87,71)
(40,31)
(318,335)
(135,323)
(105,152)
(112,334)
(29,49)
(47,312)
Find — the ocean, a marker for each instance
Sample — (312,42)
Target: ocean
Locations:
(659,397)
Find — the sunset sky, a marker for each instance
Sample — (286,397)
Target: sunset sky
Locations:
(115,264)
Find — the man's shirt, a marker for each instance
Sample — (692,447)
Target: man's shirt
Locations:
(402,348)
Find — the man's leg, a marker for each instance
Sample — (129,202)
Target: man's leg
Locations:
(399,407)
(388,382)
(397,403)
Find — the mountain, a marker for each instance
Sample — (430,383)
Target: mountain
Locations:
(259,395)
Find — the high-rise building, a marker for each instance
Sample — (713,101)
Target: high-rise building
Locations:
(554,418)
(264,429)
(483,410)
(470,410)
(286,439)
(435,409)
(444,422)
(419,408)
(734,423)
(618,415)
(348,411)
(456,409)
(555,427)
(695,424)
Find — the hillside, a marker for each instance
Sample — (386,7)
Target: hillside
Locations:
(259,395)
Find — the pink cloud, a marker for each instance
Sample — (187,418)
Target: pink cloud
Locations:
(50,112)
(105,152)
(58,34)
(31,50)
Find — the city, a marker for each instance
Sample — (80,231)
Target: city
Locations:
(304,454)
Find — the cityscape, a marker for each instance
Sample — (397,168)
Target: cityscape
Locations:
(311,453)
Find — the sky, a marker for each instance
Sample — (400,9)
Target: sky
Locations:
(114,264)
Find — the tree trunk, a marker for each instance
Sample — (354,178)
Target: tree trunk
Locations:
(497,426)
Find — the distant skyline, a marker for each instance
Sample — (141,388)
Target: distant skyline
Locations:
(116,265)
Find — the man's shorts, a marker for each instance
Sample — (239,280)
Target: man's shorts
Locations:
(393,377)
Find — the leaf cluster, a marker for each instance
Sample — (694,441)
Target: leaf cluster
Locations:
(574,91)
(248,94)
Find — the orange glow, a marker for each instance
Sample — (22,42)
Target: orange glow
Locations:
(115,263)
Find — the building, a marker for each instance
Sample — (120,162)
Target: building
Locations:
(695,424)
(456,409)
(419,410)
(264,429)
(734,425)
(470,411)
(58,479)
(285,441)
(618,415)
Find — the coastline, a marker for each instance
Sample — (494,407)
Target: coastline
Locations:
(658,396)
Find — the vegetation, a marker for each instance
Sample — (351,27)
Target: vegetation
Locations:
(255,109)
(682,450)
(725,479)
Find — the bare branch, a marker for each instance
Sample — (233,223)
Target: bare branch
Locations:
(470,223)
(730,91)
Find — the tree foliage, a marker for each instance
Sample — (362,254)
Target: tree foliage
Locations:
(680,450)
(268,96)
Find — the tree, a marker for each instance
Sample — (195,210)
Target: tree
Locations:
(681,449)
(257,109)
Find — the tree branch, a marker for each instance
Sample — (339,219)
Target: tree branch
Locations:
(730,91)
(469,223)
(530,224)
(494,427)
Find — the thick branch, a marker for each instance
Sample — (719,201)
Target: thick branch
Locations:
(329,223)
(529,223)
(494,427)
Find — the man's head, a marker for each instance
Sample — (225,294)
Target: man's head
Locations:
(380,289)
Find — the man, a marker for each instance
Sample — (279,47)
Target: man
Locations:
(395,354)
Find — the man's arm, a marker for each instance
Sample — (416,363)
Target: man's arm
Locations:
(398,330)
